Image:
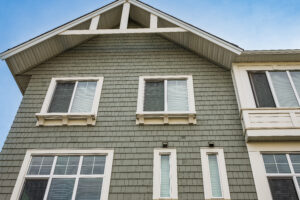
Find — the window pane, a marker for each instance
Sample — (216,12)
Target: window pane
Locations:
(93,165)
(296,79)
(34,189)
(276,163)
(165,176)
(283,189)
(40,165)
(89,188)
(214,176)
(61,189)
(261,89)
(61,97)
(177,95)
(154,96)
(84,97)
(66,165)
(283,89)
(298,180)
(295,158)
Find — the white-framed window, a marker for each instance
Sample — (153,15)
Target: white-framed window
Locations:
(165,174)
(165,97)
(71,101)
(64,174)
(283,174)
(276,88)
(215,180)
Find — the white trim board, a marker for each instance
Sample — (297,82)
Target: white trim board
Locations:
(58,152)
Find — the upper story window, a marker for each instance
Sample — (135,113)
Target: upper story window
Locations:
(71,101)
(163,98)
(64,174)
(276,88)
(283,174)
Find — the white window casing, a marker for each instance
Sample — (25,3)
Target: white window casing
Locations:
(157,174)
(165,116)
(69,118)
(64,152)
(265,123)
(205,152)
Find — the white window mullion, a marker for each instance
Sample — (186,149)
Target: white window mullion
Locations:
(166,94)
(272,89)
(293,86)
(50,178)
(77,178)
(73,95)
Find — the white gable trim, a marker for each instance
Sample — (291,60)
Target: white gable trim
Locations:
(139,4)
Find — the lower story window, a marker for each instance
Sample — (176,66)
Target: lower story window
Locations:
(67,175)
(283,173)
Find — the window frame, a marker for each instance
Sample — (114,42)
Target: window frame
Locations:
(222,172)
(157,174)
(18,188)
(292,175)
(141,114)
(271,85)
(90,117)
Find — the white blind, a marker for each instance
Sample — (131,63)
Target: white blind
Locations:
(84,97)
(61,189)
(214,176)
(89,189)
(283,89)
(165,176)
(177,95)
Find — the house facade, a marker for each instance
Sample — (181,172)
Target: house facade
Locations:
(128,102)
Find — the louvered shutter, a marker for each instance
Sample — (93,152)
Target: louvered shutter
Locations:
(177,98)
(34,189)
(283,89)
(154,96)
(261,89)
(61,98)
(214,176)
(296,79)
(89,189)
(61,188)
(283,189)
(165,176)
(84,97)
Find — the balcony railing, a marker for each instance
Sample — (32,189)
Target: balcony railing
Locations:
(269,124)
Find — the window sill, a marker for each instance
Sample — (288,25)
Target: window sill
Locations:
(65,119)
(165,118)
(270,124)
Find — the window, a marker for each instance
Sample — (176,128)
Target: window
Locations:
(283,173)
(276,88)
(214,174)
(71,101)
(166,97)
(64,174)
(165,174)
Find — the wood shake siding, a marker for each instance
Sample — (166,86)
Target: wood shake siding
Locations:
(121,59)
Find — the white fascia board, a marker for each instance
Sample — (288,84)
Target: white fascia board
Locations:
(6,54)
(207,36)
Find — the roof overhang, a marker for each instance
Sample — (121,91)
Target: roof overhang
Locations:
(104,20)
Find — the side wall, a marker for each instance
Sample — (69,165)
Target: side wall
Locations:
(121,59)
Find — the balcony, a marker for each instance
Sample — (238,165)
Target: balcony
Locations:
(271,124)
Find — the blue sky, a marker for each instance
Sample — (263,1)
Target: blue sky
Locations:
(251,24)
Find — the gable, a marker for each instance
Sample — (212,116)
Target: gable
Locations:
(113,19)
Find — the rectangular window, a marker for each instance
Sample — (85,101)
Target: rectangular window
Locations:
(283,175)
(215,180)
(165,174)
(57,175)
(70,100)
(276,88)
(161,98)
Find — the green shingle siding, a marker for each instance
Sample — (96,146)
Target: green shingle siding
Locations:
(121,59)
